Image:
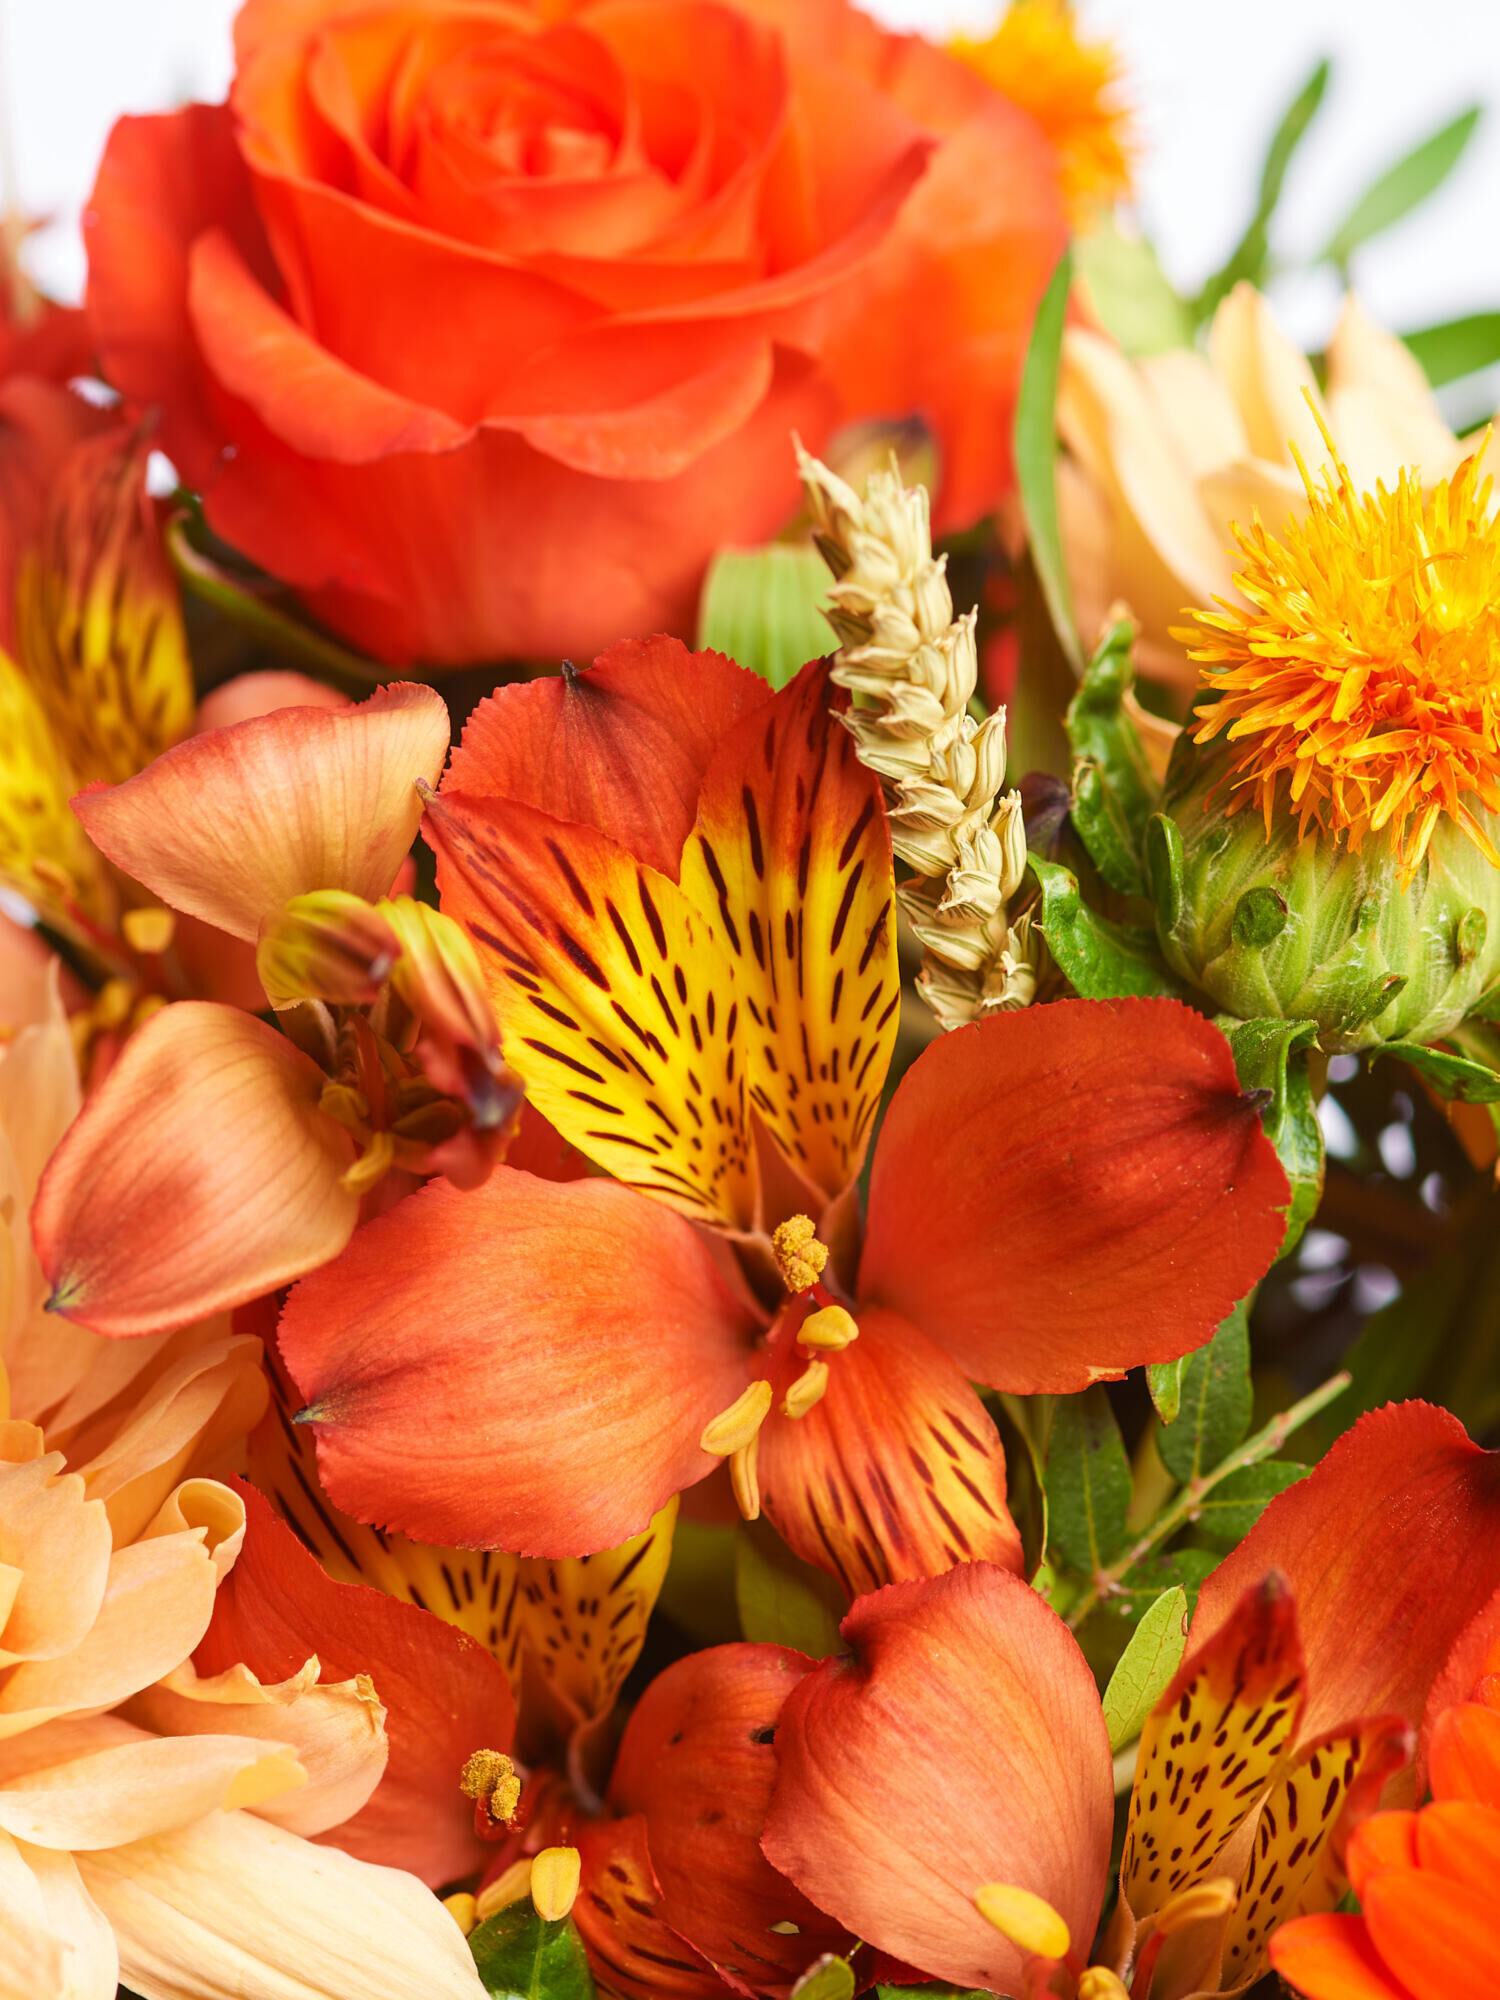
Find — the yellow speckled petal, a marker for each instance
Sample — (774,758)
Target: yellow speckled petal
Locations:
(99,628)
(1211,1746)
(618,1007)
(36,822)
(1293,1870)
(790,860)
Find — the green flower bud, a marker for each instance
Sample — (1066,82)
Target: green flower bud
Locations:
(1292,925)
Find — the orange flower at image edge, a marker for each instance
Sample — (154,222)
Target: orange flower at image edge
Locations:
(448,306)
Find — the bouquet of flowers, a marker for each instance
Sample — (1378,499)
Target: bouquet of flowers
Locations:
(748,1046)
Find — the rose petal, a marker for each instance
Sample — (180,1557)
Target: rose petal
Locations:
(201,1173)
(56,1940)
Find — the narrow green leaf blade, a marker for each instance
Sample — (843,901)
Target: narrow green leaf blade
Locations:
(1100,959)
(1234,1506)
(1251,255)
(1450,1076)
(760,606)
(1403,186)
(1088,1482)
(1130,291)
(1036,454)
(1457,347)
(1216,1401)
(1272,1055)
(1146,1666)
(520,1956)
(1164,1380)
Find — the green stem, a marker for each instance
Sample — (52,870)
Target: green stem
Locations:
(1265,1444)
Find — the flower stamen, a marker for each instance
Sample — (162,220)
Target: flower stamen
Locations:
(491,1780)
(1028,1920)
(738,1426)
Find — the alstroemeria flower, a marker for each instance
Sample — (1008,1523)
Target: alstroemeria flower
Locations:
(956,1761)
(1428,1882)
(213,1163)
(681,890)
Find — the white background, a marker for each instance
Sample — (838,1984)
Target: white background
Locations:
(1209,78)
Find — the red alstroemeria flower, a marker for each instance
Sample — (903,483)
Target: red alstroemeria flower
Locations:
(960,1747)
(1428,1882)
(206,1169)
(681,888)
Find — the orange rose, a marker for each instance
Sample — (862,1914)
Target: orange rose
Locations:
(483,322)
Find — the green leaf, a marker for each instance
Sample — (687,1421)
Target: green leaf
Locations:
(699,1591)
(1402,187)
(782,1600)
(1216,1401)
(1130,292)
(761,607)
(1252,254)
(1450,1076)
(520,1956)
(1088,1482)
(1146,1666)
(1164,1380)
(1234,1506)
(1457,347)
(1100,959)
(1114,792)
(933,1993)
(1272,1055)
(827,1978)
(1025,1487)
(1185,1569)
(1036,454)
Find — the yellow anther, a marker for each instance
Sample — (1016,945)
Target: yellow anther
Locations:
(800,1257)
(554,1882)
(742,1478)
(807,1391)
(734,1428)
(1099,1983)
(148,930)
(370,1166)
(1028,1920)
(113,1003)
(829,1329)
(506,1889)
(463,1910)
(1205,1902)
(349,1106)
(488,1776)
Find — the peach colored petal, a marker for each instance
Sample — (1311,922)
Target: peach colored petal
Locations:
(156,1607)
(250,695)
(55,1942)
(1244,491)
(39,1093)
(60,1542)
(210,1507)
(202,1173)
(233,1905)
(337,1732)
(133,1790)
(231,825)
(1195,409)
(1267,377)
(1378,434)
(1362,355)
(205,1400)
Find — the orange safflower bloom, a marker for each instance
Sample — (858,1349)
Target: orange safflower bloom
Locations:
(1428,1882)
(1070,87)
(681,889)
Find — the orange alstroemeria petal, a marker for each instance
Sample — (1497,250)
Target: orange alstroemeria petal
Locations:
(634,1952)
(1333,1958)
(1440,1937)
(699,1760)
(962,1744)
(790,860)
(1385,1840)
(1475,1655)
(529,1366)
(1391,1546)
(618,1005)
(621,747)
(1464,1757)
(201,1173)
(1211,1745)
(231,825)
(1293,1869)
(1062,1193)
(897,1472)
(1460,1840)
(443,1695)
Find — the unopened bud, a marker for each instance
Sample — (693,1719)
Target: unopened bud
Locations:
(554,1882)
(328,945)
(828,1330)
